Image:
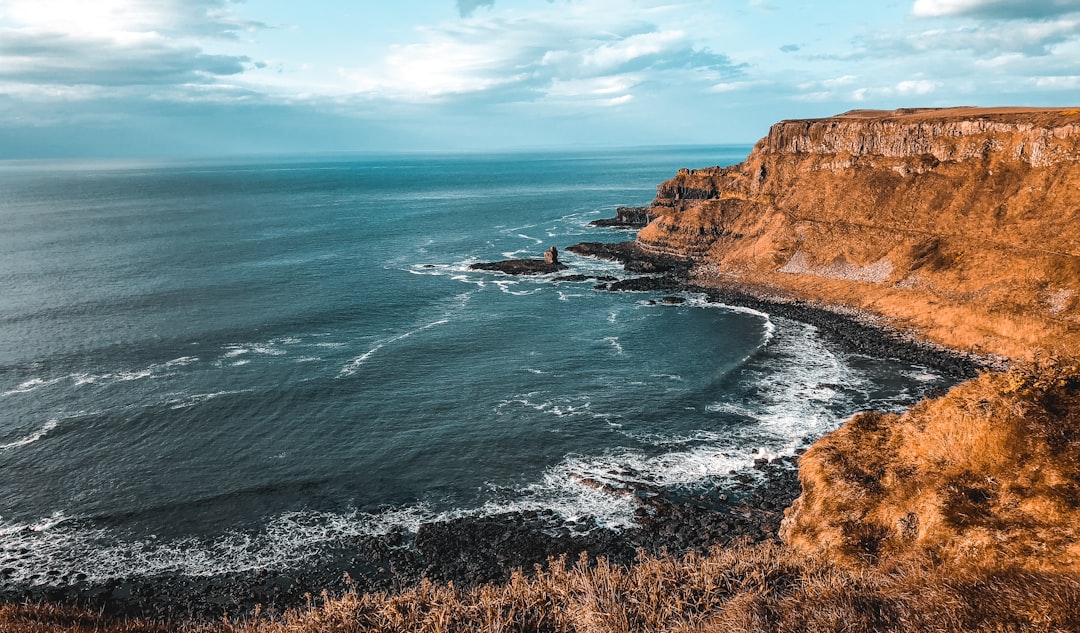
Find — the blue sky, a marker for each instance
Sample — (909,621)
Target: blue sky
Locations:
(214,77)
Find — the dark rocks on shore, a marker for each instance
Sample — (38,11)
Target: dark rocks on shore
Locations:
(520,266)
(855,335)
(627,218)
(633,259)
(581,278)
(467,551)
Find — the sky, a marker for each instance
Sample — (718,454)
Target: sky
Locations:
(113,78)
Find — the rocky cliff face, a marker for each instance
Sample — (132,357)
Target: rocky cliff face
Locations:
(962,224)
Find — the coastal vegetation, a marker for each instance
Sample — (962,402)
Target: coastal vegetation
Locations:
(766,587)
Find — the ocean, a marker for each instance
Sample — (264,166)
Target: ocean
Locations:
(222,366)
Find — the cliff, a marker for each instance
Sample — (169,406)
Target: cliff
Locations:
(961,226)
(958,224)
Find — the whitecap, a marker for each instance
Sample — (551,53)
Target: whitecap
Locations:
(614,342)
(355,363)
(529,237)
(31,385)
(89,379)
(198,398)
(134,375)
(183,361)
(672,377)
(33,437)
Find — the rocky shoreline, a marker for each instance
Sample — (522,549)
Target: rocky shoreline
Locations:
(481,549)
(853,331)
(466,551)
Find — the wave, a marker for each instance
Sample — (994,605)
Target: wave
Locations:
(357,362)
(155,370)
(613,341)
(31,385)
(559,407)
(198,398)
(33,437)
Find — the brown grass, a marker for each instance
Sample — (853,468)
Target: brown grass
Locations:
(987,475)
(762,588)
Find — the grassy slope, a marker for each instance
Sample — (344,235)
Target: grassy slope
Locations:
(760,588)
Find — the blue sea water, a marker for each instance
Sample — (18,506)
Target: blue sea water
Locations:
(220,366)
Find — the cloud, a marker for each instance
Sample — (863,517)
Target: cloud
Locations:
(117,42)
(1031,39)
(790,48)
(62,59)
(572,54)
(466,7)
(109,18)
(1002,9)
(917,87)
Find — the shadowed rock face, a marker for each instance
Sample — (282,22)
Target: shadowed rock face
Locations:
(958,223)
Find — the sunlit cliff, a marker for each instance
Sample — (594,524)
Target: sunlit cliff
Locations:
(958,224)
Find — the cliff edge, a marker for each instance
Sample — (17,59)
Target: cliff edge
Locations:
(959,224)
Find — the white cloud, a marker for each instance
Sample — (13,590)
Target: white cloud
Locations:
(837,82)
(910,87)
(568,51)
(983,40)
(117,42)
(1066,82)
(612,56)
(107,19)
(736,86)
(1006,9)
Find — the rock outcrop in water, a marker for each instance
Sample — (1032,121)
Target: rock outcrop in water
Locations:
(958,224)
(550,264)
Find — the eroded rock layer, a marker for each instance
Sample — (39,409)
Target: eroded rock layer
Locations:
(960,224)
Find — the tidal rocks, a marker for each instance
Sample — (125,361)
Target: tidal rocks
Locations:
(521,266)
(581,278)
(632,257)
(549,264)
(627,218)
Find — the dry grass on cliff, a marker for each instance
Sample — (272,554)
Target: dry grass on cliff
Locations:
(764,588)
(987,475)
(61,619)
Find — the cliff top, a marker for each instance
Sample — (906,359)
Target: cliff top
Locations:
(1036,116)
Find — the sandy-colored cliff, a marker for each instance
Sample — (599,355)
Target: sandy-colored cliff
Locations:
(960,224)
